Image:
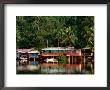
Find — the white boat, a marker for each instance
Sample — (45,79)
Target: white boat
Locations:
(51,60)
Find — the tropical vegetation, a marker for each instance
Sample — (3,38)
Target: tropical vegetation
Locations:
(54,31)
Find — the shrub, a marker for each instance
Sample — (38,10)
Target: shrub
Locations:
(62,59)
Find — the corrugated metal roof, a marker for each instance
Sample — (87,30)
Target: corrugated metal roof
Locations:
(23,50)
(58,48)
(34,51)
(53,48)
(27,51)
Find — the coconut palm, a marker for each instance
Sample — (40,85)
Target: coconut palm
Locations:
(68,37)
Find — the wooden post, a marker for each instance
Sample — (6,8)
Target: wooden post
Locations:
(80,67)
(81,63)
(72,59)
(84,60)
(75,59)
(69,59)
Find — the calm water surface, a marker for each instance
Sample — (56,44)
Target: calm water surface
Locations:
(50,68)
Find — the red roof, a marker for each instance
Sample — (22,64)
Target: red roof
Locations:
(73,54)
(50,54)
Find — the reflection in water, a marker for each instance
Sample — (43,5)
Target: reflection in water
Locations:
(49,68)
(59,69)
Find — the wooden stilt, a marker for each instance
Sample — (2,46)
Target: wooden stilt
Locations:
(75,59)
(80,67)
(68,59)
(81,62)
(72,59)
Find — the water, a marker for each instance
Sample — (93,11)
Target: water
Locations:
(50,68)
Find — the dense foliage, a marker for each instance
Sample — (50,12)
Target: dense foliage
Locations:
(62,59)
(48,31)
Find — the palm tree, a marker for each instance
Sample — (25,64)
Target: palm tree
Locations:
(68,37)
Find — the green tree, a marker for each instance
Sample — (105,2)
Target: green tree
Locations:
(35,31)
(68,37)
(62,59)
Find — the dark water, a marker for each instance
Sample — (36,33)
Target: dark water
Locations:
(51,68)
